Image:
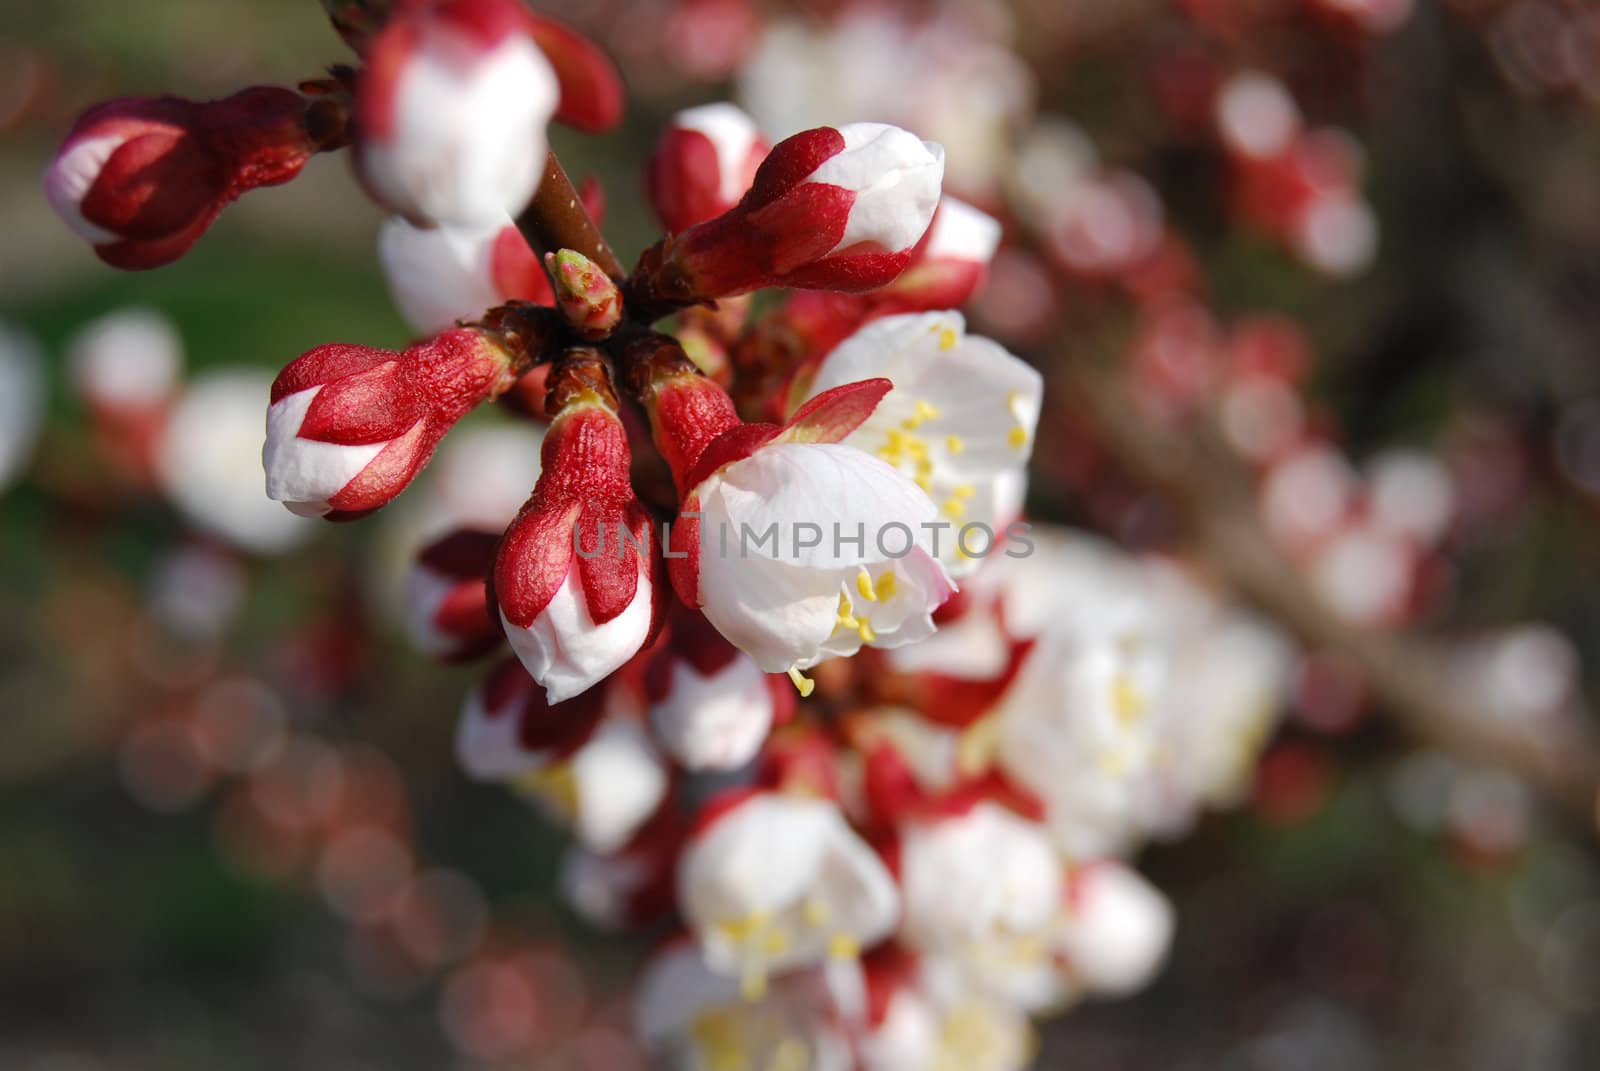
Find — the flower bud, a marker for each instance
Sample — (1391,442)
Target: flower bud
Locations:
(142,178)
(447,605)
(1117,929)
(949,265)
(586,296)
(703,165)
(350,426)
(710,705)
(606,789)
(830,209)
(438,275)
(576,573)
(451,112)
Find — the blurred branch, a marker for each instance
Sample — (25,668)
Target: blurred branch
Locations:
(1412,677)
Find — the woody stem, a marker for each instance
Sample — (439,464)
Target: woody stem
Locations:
(555,219)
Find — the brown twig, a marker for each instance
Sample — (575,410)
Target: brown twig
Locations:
(555,219)
(1412,677)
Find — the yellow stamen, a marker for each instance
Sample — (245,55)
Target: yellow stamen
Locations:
(1127,700)
(926,410)
(954,444)
(864,585)
(947,339)
(953,508)
(864,628)
(843,946)
(963,490)
(885,586)
(1018,437)
(977,746)
(815,913)
(802,683)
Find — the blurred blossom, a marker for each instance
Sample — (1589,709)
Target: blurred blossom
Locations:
(1304,496)
(239,724)
(947,77)
(300,788)
(22,401)
(1525,673)
(440,917)
(1490,814)
(130,360)
(162,766)
(1410,494)
(196,590)
(362,872)
(209,463)
(1256,114)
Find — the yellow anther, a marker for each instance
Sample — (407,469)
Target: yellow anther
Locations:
(802,683)
(885,585)
(790,1055)
(815,913)
(1127,700)
(947,339)
(1018,437)
(963,490)
(924,481)
(953,508)
(557,785)
(917,449)
(864,585)
(926,410)
(865,630)
(843,946)
(847,617)
(776,943)
(977,746)
(911,423)
(753,983)
(954,444)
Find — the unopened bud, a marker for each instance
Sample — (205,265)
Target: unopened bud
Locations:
(587,296)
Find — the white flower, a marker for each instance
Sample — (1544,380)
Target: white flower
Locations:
(868,577)
(935,1018)
(693,1018)
(209,463)
(717,721)
(1080,730)
(782,881)
(1116,930)
(463,136)
(438,275)
(304,473)
(607,788)
(1256,115)
(22,392)
(128,359)
(959,422)
(566,651)
(895,177)
(983,889)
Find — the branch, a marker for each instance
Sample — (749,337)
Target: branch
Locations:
(555,219)
(1411,676)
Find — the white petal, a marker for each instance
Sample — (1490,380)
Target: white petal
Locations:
(303,473)
(961,232)
(439,275)
(895,176)
(489,746)
(469,143)
(208,461)
(70,177)
(620,782)
(1117,934)
(717,722)
(568,653)
(131,357)
(732,134)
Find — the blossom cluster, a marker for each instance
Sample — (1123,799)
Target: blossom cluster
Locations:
(885,792)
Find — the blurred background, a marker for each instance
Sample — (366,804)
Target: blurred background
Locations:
(231,824)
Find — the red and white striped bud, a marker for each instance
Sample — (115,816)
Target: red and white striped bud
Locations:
(451,112)
(447,602)
(142,178)
(438,275)
(830,209)
(576,576)
(703,165)
(350,426)
(711,707)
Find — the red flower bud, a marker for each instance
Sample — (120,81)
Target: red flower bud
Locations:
(577,575)
(350,426)
(703,165)
(447,601)
(141,178)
